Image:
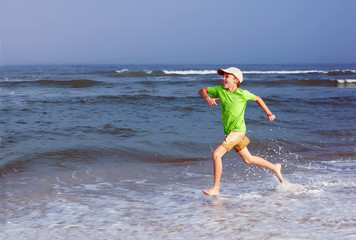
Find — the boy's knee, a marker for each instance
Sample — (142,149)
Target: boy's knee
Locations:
(216,155)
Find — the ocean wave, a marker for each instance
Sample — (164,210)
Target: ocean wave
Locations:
(16,78)
(145,97)
(75,83)
(93,154)
(204,72)
(141,99)
(341,72)
(331,101)
(107,129)
(134,71)
(157,73)
(286,72)
(190,72)
(328,82)
(126,72)
(346,81)
(141,73)
(309,82)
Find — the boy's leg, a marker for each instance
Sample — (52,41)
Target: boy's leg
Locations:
(217,155)
(249,159)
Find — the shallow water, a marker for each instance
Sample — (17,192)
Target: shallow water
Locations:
(108,201)
(100,152)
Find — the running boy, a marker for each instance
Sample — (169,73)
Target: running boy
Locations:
(233,103)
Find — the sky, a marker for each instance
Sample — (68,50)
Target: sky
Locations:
(177,31)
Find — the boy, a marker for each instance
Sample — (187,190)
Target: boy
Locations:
(233,103)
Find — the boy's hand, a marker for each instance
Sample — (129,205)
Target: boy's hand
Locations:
(271,117)
(211,101)
(204,94)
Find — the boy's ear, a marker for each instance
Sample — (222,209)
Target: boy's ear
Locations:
(238,82)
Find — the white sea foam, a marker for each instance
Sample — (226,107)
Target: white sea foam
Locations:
(202,72)
(125,70)
(285,72)
(207,72)
(291,187)
(86,209)
(122,70)
(346,81)
(190,72)
(248,196)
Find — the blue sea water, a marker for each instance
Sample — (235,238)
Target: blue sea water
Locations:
(123,151)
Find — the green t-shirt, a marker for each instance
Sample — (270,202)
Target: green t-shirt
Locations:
(232,107)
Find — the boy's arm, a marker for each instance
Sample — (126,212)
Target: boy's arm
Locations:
(204,94)
(262,104)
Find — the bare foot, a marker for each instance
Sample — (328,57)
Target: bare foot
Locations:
(278,172)
(211,192)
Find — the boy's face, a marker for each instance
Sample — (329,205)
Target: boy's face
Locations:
(229,80)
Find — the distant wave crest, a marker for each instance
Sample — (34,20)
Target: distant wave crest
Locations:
(286,72)
(140,73)
(156,73)
(190,72)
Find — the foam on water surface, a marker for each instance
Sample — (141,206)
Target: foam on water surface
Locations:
(92,203)
(291,187)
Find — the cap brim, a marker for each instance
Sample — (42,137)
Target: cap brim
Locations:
(220,72)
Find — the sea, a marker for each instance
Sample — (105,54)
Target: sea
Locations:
(123,152)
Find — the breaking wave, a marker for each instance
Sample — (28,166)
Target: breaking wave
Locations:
(144,73)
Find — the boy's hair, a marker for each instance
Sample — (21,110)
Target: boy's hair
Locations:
(234,71)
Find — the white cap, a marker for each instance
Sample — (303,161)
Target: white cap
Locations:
(232,70)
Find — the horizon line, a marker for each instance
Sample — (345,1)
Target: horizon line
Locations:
(170,64)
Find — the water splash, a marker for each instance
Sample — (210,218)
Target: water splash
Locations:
(291,187)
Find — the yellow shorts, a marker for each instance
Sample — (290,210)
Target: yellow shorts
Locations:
(236,140)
